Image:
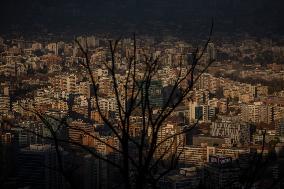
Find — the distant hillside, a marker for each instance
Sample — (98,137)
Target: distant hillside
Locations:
(180,17)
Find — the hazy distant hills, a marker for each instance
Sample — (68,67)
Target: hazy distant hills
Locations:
(180,17)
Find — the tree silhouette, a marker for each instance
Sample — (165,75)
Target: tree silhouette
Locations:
(153,152)
(146,151)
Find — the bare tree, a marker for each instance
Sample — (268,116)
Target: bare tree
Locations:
(149,154)
(152,150)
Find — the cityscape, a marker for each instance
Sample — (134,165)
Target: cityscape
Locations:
(103,108)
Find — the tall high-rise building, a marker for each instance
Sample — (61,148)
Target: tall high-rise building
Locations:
(192,155)
(221,173)
(169,146)
(201,112)
(77,130)
(4,104)
(37,166)
(211,52)
(53,47)
(192,111)
(257,113)
(155,93)
(65,83)
(236,132)
(281,127)
(91,172)
(84,89)
(87,41)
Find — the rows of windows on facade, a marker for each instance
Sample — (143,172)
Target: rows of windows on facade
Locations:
(237,120)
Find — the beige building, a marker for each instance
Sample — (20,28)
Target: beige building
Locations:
(65,83)
(257,113)
(4,104)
